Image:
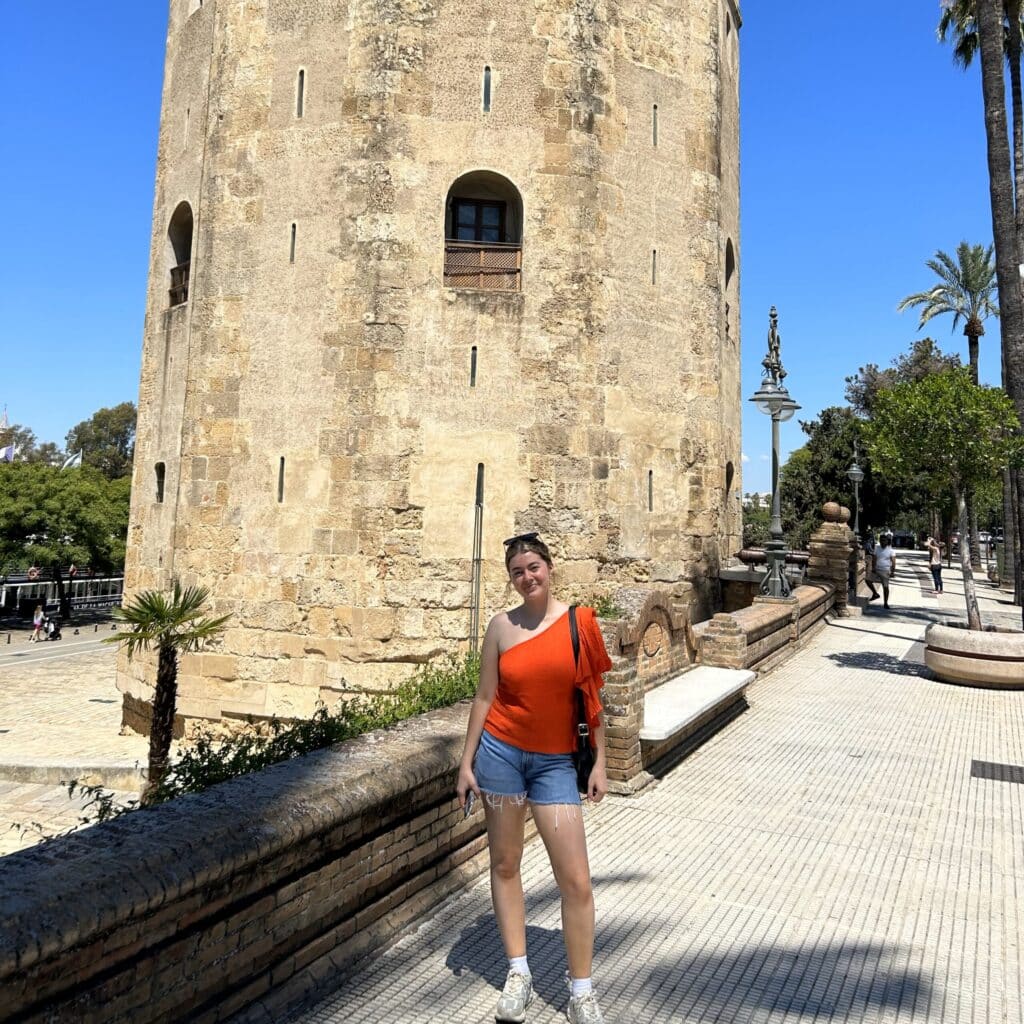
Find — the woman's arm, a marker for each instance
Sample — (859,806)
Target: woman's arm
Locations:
(478,710)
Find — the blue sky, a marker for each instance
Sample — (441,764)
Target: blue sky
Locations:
(860,159)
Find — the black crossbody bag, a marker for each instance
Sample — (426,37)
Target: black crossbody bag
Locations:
(583,756)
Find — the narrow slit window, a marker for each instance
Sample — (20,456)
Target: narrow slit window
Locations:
(480,485)
(161,472)
(487,90)
(280,480)
(472,367)
(291,245)
(300,94)
(654,125)
(188,117)
(650,490)
(654,266)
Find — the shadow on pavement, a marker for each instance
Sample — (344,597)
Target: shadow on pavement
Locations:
(478,948)
(876,661)
(830,981)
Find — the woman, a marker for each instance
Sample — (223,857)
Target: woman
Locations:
(37,624)
(519,743)
(935,562)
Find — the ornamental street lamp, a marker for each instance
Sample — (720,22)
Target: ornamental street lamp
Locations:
(773,400)
(856,474)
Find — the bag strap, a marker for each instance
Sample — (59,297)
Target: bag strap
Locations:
(575,634)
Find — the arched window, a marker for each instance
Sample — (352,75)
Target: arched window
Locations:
(179,235)
(483,230)
(730,285)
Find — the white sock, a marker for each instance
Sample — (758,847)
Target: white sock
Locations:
(581,987)
(519,965)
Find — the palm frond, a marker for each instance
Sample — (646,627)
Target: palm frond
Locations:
(153,618)
(966,288)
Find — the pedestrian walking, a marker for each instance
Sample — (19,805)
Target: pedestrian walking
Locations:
(37,624)
(868,543)
(885,565)
(519,750)
(935,562)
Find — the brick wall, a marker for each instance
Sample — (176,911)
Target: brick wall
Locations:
(275,881)
(761,635)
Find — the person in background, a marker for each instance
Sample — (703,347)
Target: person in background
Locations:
(37,624)
(935,562)
(885,565)
(868,543)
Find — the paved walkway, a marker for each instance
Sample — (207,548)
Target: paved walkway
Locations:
(828,857)
(60,717)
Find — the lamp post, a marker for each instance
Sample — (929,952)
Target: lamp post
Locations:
(772,398)
(856,474)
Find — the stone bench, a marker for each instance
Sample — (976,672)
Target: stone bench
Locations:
(684,706)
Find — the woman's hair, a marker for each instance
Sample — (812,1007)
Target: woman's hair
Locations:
(526,542)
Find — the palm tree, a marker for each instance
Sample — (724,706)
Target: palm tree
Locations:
(966,288)
(991,36)
(174,626)
(959,20)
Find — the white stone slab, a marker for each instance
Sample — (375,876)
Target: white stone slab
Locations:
(685,698)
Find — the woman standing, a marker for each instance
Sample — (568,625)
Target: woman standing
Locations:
(935,562)
(37,624)
(519,743)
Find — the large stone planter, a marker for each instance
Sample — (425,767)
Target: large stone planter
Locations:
(989,657)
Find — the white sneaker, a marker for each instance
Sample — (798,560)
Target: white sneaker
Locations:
(583,1009)
(515,997)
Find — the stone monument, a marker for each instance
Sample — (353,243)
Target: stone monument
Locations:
(423,276)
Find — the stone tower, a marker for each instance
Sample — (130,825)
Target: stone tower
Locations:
(426,274)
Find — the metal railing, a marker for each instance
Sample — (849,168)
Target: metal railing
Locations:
(179,283)
(493,266)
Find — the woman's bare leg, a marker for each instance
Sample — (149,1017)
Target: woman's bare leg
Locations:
(561,828)
(505,826)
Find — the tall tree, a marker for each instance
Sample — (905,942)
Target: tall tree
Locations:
(924,358)
(959,21)
(966,289)
(27,447)
(54,518)
(108,439)
(174,625)
(957,434)
(990,21)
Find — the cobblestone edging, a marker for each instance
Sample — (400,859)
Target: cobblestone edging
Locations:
(191,910)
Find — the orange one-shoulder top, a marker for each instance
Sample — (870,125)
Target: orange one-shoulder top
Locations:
(534,707)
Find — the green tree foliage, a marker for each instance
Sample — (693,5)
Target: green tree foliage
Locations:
(108,439)
(757,517)
(816,473)
(172,624)
(28,448)
(53,518)
(924,358)
(954,434)
(966,289)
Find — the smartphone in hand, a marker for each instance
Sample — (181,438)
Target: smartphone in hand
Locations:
(468,807)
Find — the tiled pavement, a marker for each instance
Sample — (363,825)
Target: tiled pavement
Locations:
(827,857)
(59,718)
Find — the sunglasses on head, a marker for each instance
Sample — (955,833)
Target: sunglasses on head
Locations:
(521,536)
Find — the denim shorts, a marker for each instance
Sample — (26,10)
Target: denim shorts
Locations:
(505,771)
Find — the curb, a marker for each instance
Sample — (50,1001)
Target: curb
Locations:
(124,777)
